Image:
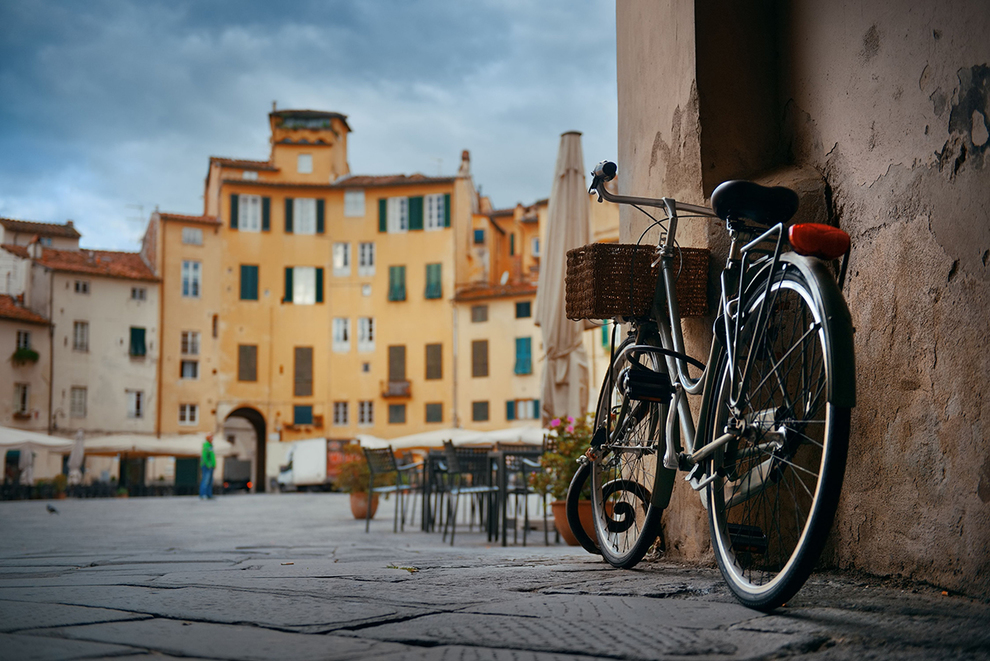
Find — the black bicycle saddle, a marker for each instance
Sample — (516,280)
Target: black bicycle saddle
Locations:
(736,200)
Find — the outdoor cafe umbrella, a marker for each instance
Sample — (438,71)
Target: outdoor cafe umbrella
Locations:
(76,458)
(565,371)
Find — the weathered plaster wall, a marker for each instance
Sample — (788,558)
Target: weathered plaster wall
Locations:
(878,115)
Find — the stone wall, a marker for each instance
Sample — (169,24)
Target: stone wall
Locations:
(877,113)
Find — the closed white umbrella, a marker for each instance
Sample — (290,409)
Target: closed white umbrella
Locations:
(565,370)
(29,443)
(76,458)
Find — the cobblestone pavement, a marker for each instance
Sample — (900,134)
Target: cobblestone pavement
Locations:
(294,576)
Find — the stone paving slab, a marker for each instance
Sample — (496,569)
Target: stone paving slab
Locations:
(295,576)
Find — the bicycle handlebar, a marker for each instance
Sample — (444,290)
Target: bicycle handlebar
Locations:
(607,170)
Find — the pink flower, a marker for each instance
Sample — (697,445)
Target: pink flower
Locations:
(555,422)
(570,420)
(570,429)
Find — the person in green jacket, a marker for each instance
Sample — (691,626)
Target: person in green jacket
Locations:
(207,462)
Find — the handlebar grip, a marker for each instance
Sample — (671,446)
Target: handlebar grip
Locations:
(606,170)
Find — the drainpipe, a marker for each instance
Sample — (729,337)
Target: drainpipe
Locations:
(51,345)
(456,418)
(161,338)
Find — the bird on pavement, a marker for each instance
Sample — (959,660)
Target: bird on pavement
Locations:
(51,510)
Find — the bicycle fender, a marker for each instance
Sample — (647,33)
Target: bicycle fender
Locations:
(664,487)
(839,348)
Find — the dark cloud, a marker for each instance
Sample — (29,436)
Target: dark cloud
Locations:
(110,103)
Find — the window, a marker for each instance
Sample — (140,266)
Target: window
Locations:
(303,372)
(366,367)
(397,283)
(339,414)
(23,339)
(396,414)
(189,369)
(366,259)
(479,358)
(535,242)
(524,309)
(303,285)
(366,290)
(353,203)
(80,336)
(479,411)
(21,398)
(77,402)
(139,294)
(524,355)
(341,259)
(190,279)
(45,240)
(137,347)
(249,213)
(247,362)
(215,326)
(190,343)
(341,334)
(479,237)
(304,164)
(249,282)
(522,409)
(434,361)
(302,415)
(302,217)
(434,211)
(397,362)
(512,244)
(479,313)
(396,216)
(135,403)
(434,412)
(82,286)
(366,334)
(366,413)
(188,414)
(250,175)
(434,285)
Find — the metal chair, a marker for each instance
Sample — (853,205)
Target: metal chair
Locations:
(381,461)
(518,471)
(468,473)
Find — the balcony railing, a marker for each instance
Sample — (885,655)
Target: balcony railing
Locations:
(396,389)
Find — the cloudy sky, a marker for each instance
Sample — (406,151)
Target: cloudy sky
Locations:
(110,108)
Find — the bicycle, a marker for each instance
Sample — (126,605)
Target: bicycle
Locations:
(769,448)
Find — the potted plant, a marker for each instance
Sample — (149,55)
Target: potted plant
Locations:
(24,355)
(353,479)
(569,438)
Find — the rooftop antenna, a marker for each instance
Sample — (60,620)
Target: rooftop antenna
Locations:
(273,106)
(140,210)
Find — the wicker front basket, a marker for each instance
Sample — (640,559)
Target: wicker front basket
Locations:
(608,280)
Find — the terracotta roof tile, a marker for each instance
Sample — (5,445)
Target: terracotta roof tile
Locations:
(242,163)
(204,220)
(42,229)
(358,181)
(479,292)
(105,263)
(9,309)
(20,251)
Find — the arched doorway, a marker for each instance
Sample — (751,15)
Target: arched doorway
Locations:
(257,422)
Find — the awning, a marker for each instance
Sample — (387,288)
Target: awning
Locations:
(149,445)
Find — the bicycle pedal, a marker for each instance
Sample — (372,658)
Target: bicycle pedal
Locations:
(747,539)
(643,384)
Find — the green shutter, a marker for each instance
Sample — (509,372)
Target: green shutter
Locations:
(434,285)
(249,283)
(233,211)
(266,214)
(288,215)
(397,283)
(416,213)
(446,209)
(319,216)
(288,285)
(137,341)
(536,409)
(524,360)
(510,410)
(319,285)
(382,215)
(512,244)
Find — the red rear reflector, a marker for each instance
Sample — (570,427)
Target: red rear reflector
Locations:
(250,485)
(817,240)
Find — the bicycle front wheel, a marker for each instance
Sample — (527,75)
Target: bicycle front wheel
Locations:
(626,469)
(773,502)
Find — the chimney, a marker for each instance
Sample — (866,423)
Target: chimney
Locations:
(465,169)
(68,223)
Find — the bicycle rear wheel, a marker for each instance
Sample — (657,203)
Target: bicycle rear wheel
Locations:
(626,469)
(772,505)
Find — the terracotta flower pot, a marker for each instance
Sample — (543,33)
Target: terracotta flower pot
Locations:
(559,508)
(359,505)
